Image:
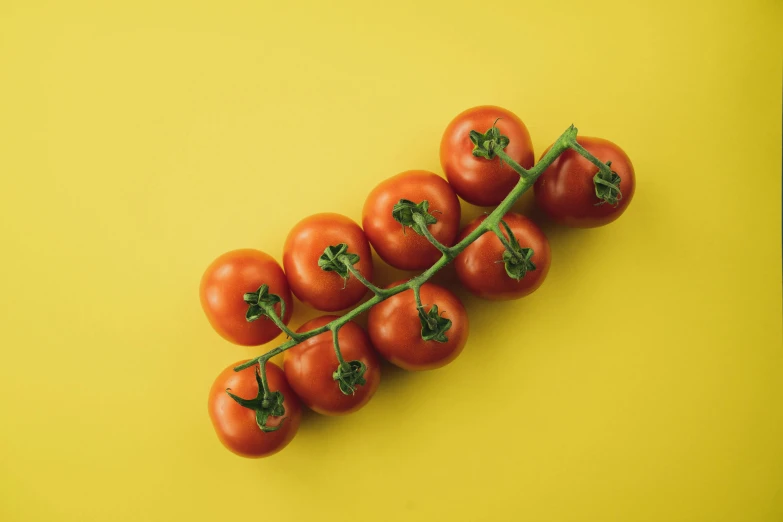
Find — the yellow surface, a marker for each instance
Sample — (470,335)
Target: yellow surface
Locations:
(642,382)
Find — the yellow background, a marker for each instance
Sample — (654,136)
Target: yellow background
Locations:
(139,140)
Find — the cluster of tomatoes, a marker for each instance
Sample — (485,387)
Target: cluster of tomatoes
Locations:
(567,191)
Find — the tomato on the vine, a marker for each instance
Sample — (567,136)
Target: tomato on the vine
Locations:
(566,191)
(305,244)
(402,247)
(223,286)
(481,267)
(395,328)
(479,180)
(236,426)
(310,365)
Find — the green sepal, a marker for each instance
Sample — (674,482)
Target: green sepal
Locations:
(334,259)
(607,186)
(261,302)
(349,376)
(433,326)
(518,260)
(265,406)
(518,264)
(404,210)
(484,144)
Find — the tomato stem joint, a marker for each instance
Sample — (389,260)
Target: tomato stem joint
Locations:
(484,144)
(433,325)
(266,404)
(349,375)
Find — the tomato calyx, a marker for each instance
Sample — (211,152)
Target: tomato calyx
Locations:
(433,325)
(262,304)
(484,145)
(517,259)
(404,211)
(349,375)
(607,186)
(336,258)
(266,404)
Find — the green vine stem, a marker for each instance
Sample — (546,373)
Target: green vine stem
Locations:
(566,141)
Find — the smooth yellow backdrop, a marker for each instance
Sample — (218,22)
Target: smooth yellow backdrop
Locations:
(139,140)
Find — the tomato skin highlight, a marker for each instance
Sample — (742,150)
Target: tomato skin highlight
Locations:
(480,266)
(236,426)
(309,367)
(406,249)
(223,286)
(565,190)
(478,180)
(395,328)
(306,242)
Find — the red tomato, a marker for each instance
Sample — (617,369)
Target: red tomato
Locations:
(479,180)
(236,426)
(223,286)
(304,246)
(480,266)
(395,328)
(407,249)
(566,191)
(309,367)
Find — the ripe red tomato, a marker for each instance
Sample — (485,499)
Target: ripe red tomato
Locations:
(479,180)
(480,267)
(566,191)
(304,246)
(404,248)
(309,367)
(236,426)
(223,286)
(395,328)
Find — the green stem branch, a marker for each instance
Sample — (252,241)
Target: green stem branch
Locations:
(363,280)
(490,224)
(336,343)
(272,315)
(446,251)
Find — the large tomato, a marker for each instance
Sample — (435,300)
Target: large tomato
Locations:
(236,425)
(402,247)
(566,190)
(395,328)
(306,242)
(310,365)
(479,180)
(223,286)
(481,267)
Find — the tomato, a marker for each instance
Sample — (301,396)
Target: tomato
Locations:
(309,367)
(478,180)
(236,426)
(403,247)
(223,286)
(306,242)
(396,331)
(566,191)
(480,267)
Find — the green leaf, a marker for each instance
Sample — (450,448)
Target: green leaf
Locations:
(247,403)
(607,186)
(335,258)
(512,239)
(404,210)
(518,263)
(261,418)
(260,302)
(349,376)
(253,312)
(433,326)
(265,406)
(484,144)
